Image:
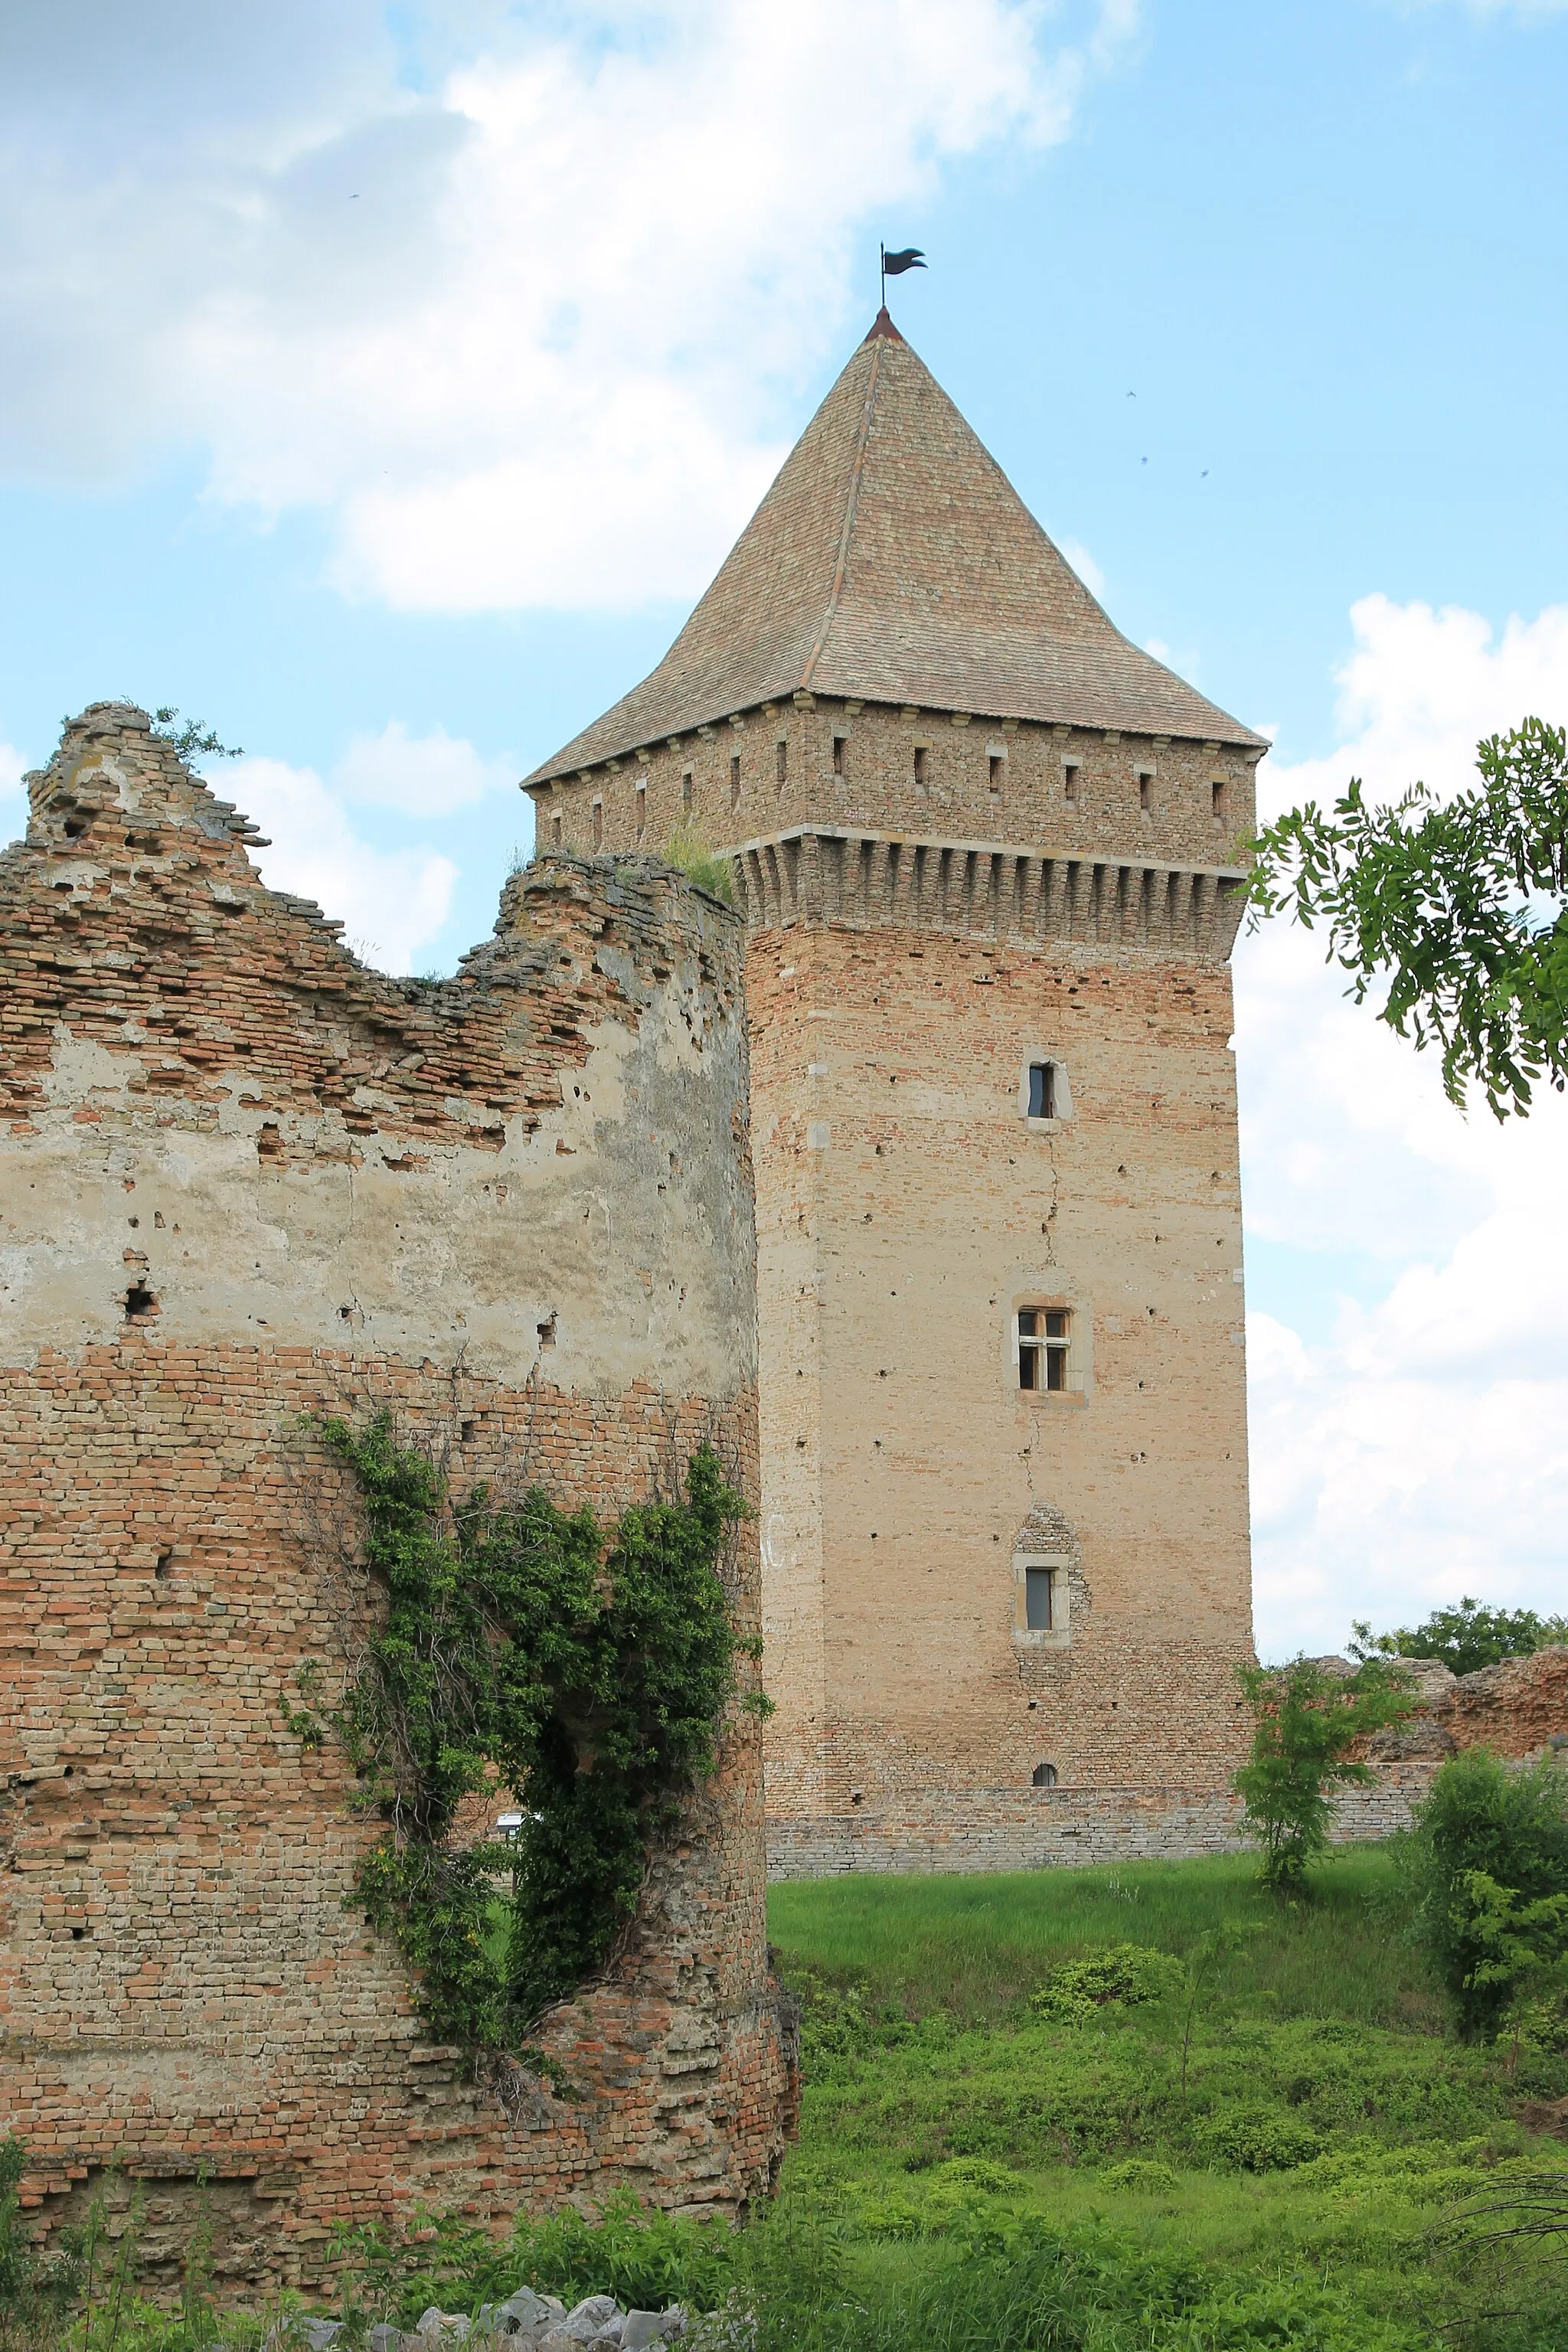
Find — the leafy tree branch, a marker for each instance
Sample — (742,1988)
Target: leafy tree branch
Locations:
(1460,906)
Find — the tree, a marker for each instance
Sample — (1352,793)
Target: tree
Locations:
(1462,905)
(1306,1718)
(1490,1844)
(1466,1638)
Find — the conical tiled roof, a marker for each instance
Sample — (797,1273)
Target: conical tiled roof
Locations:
(893,560)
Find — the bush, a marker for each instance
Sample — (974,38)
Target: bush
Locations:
(1120,1973)
(1305,1719)
(1259,2139)
(1144,2175)
(1483,1817)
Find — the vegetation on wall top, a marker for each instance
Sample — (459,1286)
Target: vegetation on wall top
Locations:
(1465,1639)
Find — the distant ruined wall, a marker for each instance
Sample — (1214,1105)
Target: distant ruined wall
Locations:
(242,1178)
(1518,1709)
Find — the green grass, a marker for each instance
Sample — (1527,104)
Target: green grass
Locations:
(967,1945)
(1287,2190)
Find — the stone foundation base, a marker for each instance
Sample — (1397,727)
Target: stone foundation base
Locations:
(1046,1829)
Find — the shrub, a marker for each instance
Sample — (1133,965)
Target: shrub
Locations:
(1259,2139)
(1306,1718)
(1118,1974)
(1144,2175)
(1484,1818)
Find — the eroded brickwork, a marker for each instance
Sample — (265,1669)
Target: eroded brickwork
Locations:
(245,1179)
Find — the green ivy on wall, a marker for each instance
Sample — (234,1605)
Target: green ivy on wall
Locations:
(590,1667)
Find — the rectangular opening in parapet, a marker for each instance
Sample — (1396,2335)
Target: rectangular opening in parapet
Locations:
(1043,1342)
(598,824)
(642,805)
(686,792)
(839,743)
(1042,1090)
(921,770)
(1069,780)
(1145,789)
(1038,1613)
(781,763)
(1218,797)
(734,779)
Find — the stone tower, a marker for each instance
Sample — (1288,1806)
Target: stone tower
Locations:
(989,855)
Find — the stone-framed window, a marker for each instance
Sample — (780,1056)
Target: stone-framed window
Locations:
(1044,1096)
(1046,1349)
(1042,1598)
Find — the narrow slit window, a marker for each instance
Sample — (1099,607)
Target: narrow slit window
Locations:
(994,771)
(555,833)
(686,792)
(1042,1090)
(642,806)
(1218,797)
(839,743)
(1069,780)
(1043,1343)
(1145,790)
(781,763)
(734,779)
(922,777)
(598,824)
(1038,1613)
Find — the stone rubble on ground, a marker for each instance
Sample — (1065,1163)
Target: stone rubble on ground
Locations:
(525,2322)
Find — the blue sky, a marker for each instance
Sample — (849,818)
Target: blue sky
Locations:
(382,385)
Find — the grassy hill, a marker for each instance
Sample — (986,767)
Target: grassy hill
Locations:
(992,2169)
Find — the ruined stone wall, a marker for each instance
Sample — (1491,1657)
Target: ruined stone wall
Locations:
(1053,1829)
(242,1178)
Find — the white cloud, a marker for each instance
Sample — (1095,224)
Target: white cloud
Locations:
(393,901)
(13,799)
(1421,1449)
(524,332)
(421,776)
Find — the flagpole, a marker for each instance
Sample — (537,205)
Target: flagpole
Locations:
(882,251)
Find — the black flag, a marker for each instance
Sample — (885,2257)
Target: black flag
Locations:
(895,263)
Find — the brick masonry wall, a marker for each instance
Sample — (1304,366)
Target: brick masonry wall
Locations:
(1046,1829)
(244,1180)
(906,1209)
(986,780)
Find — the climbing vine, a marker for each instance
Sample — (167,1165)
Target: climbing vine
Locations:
(586,1667)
